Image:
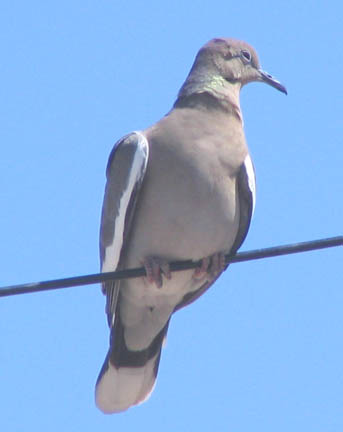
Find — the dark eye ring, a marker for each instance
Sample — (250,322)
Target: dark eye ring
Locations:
(246,55)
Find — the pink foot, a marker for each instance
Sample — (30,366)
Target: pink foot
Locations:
(155,268)
(210,266)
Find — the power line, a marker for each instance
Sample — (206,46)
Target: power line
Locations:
(174,266)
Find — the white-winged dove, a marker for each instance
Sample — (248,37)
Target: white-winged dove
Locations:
(181,189)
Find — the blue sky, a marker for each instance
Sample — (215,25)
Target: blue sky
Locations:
(262,350)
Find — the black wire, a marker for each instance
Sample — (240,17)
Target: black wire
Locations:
(174,266)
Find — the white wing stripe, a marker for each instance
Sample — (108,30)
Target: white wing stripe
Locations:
(249,168)
(112,252)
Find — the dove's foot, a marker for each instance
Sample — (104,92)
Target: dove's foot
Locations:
(156,268)
(210,266)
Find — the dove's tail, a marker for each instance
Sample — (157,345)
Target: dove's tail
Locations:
(128,377)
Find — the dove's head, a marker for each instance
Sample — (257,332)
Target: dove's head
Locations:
(223,66)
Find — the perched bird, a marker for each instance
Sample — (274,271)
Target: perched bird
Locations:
(181,189)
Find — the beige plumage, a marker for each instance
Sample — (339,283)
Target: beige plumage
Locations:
(182,189)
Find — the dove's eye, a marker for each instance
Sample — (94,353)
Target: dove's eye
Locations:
(246,56)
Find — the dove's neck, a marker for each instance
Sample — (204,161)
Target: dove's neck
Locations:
(204,87)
